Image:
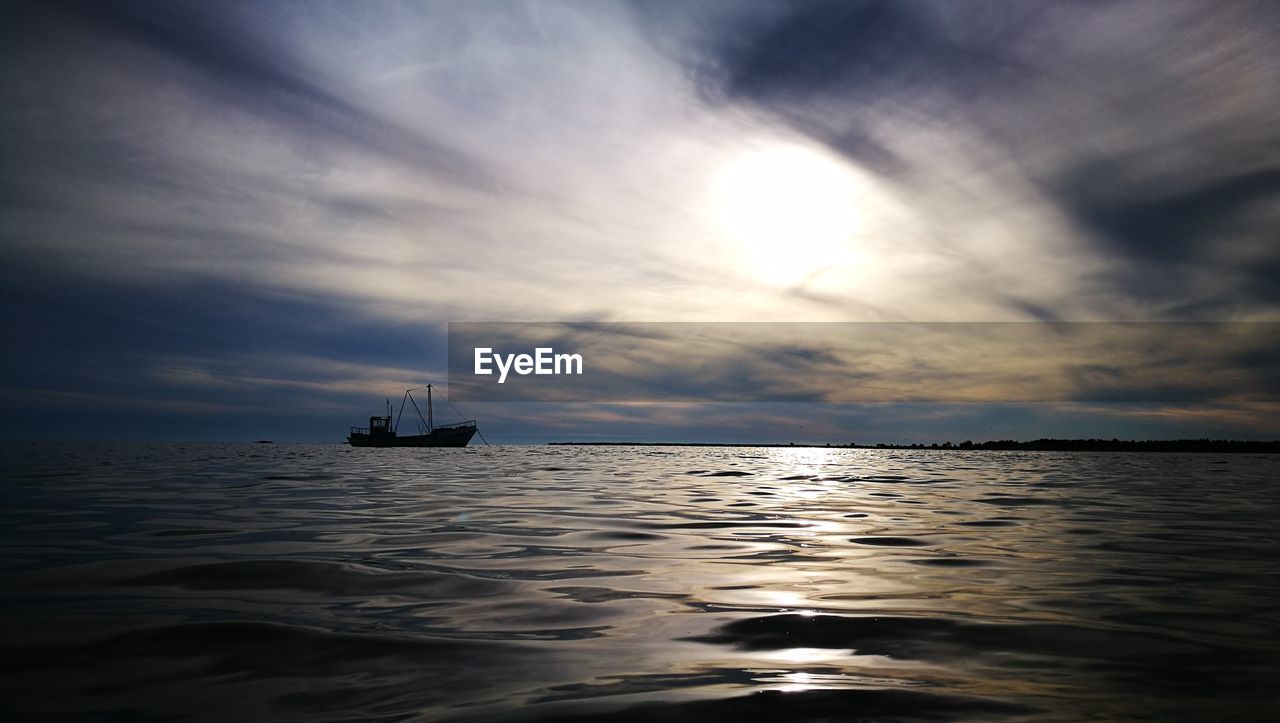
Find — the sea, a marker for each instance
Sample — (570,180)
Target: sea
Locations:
(324,582)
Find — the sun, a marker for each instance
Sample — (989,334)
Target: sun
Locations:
(790,211)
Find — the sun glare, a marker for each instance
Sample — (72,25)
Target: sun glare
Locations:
(791,211)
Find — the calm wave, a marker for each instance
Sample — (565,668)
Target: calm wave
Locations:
(325,582)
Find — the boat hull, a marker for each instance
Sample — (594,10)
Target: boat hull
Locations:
(440,437)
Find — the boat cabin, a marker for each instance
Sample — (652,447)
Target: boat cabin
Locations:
(378,427)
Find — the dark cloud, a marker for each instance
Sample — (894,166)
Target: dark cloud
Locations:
(231,55)
(1152,362)
(911,61)
(1166,228)
(76,318)
(1162,239)
(199,348)
(871,49)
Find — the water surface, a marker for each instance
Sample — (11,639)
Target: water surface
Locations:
(325,582)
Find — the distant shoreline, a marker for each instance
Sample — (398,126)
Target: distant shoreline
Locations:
(1039,445)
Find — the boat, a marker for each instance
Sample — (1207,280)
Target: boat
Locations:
(381,432)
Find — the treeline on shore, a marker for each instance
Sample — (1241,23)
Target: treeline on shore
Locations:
(1110,445)
(1037,445)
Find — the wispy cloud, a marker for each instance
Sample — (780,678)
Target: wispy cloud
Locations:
(1136,137)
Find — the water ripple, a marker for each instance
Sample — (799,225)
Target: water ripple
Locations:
(325,582)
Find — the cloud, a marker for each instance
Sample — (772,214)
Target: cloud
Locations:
(1144,132)
(112,350)
(491,162)
(877,362)
(198,200)
(868,423)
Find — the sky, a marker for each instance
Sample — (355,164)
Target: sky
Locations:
(244,220)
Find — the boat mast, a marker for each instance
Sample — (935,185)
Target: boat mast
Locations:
(430,424)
